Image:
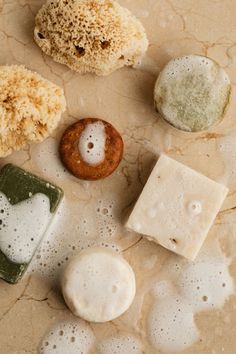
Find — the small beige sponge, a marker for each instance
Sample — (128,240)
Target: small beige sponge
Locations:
(192,93)
(98,285)
(97,36)
(30,108)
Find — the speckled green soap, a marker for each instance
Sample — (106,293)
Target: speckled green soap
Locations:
(27,205)
(192,93)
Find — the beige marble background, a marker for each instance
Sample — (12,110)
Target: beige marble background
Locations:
(174,27)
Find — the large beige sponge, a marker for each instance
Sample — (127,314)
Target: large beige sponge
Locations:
(30,108)
(97,36)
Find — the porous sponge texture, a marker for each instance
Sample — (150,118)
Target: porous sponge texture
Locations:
(97,36)
(30,108)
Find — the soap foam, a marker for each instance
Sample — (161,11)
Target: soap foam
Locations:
(189,63)
(73,230)
(82,225)
(206,284)
(22,226)
(183,289)
(120,344)
(75,336)
(171,325)
(92,144)
(107,226)
(72,337)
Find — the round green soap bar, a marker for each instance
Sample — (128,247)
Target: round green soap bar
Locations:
(192,93)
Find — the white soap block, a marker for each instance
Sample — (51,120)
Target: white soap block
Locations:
(177,207)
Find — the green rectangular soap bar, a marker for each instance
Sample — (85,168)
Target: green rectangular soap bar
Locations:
(27,206)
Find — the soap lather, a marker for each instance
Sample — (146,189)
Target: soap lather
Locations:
(27,206)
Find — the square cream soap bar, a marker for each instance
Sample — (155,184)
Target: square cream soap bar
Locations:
(177,207)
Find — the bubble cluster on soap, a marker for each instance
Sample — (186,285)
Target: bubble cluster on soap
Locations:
(120,344)
(72,337)
(192,93)
(22,226)
(94,221)
(92,143)
(190,63)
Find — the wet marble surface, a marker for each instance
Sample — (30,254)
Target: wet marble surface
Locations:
(174,28)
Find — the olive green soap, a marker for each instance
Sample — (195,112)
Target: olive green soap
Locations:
(27,206)
(192,93)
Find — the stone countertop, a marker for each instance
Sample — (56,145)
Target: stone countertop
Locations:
(125,98)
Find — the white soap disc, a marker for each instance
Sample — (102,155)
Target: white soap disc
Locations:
(98,285)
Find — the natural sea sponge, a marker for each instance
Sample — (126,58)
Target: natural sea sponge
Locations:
(97,36)
(30,108)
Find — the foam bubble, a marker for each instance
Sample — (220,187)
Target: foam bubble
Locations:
(190,63)
(205,283)
(195,207)
(97,225)
(166,322)
(73,337)
(183,289)
(92,143)
(120,344)
(22,226)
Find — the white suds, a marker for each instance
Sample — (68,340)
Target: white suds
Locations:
(22,226)
(92,143)
(120,344)
(69,234)
(75,336)
(171,324)
(183,289)
(72,337)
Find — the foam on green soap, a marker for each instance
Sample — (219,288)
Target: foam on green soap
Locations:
(27,205)
(22,226)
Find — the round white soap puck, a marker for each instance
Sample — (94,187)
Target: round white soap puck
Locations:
(98,285)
